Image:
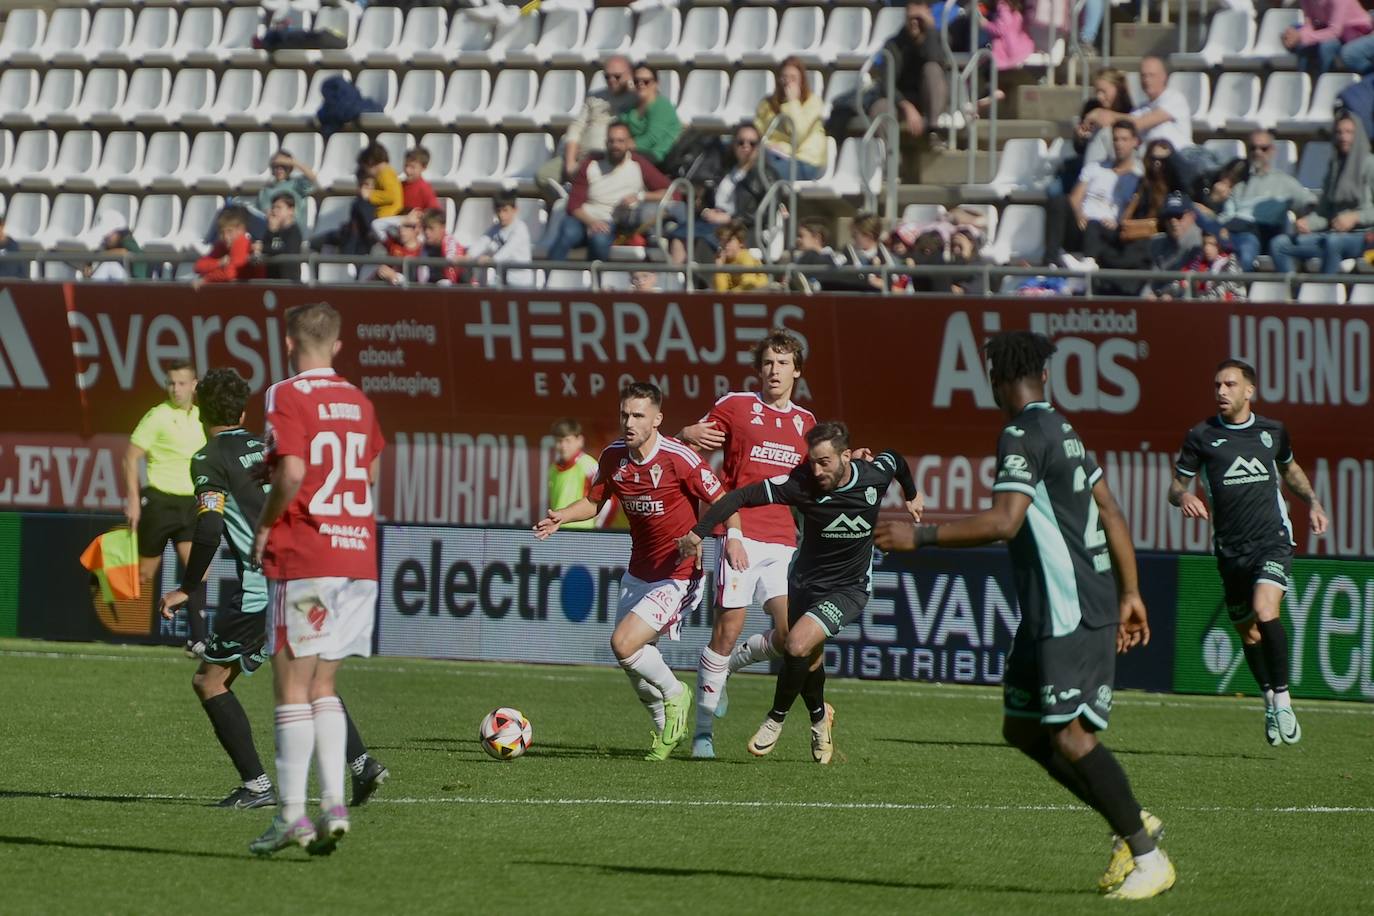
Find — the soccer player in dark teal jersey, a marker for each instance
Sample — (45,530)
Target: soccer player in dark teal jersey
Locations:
(229,496)
(1067,538)
(1242,457)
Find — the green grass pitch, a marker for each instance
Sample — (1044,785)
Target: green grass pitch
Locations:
(108,765)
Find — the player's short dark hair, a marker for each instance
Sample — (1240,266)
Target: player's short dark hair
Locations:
(642,390)
(177,365)
(565,426)
(832,431)
(782,340)
(222,396)
(1014,355)
(315,323)
(1245,368)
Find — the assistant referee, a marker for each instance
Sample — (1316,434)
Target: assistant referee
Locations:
(165,509)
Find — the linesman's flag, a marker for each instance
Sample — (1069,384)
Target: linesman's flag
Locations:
(113,559)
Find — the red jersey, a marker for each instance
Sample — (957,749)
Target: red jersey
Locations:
(761,441)
(330,527)
(659,496)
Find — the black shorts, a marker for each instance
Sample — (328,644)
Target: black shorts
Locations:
(1240,575)
(164,518)
(834,609)
(240,631)
(1059,678)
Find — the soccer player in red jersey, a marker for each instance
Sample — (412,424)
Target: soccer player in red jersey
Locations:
(763,435)
(658,481)
(316,541)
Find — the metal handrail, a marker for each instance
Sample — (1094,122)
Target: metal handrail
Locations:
(889,166)
(779,119)
(769,196)
(970,79)
(955,74)
(1078,52)
(690,203)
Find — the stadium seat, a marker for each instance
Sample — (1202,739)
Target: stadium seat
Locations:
(1361,294)
(753,30)
(121,156)
(6,149)
(338,171)
(560,96)
(35,154)
(69,220)
(466,100)
(304,116)
(26,214)
(1316,157)
(198,35)
(445,151)
(340,20)
(747,89)
(102,96)
(831,161)
(282,97)
(421,43)
(165,161)
(112,31)
(608,32)
(474,216)
(1267,51)
(800,32)
(469,42)
(379,32)
(1020,236)
(1322,294)
(1269,291)
(923,213)
(188,105)
(527,153)
(197,222)
(23,37)
(704,33)
(126,205)
(235,45)
(1023,174)
(518,38)
(568,279)
(1286,156)
(657,36)
(236,101)
(887,22)
(60,92)
(382,87)
(338,274)
(149,90)
(78,154)
(64,39)
(845,43)
(1196,88)
(1320,111)
(249,169)
(210,159)
(18,94)
(561,34)
(1229,33)
(159,222)
(305,146)
(417,103)
(1285,98)
(850,176)
(1236,99)
(59,272)
(533,214)
(332,214)
(514,92)
(703,96)
(154,34)
(396,144)
(483,160)
(1225,150)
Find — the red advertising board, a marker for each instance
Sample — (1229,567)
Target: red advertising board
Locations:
(467,383)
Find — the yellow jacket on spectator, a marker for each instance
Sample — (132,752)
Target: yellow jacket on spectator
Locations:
(738,283)
(388,196)
(809,144)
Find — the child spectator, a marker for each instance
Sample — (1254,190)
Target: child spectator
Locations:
(283,237)
(733,237)
(1212,258)
(231,256)
(407,243)
(507,239)
(866,249)
(116,238)
(416,193)
(813,245)
(439,244)
(644,281)
(387,195)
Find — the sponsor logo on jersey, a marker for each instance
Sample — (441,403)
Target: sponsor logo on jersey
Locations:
(831,613)
(871,494)
(1217,443)
(756,420)
(1017,698)
(1071,693)
(1015,466)
(775,453)
(643,506)
(1245,470)
(846,526)
(1275,569)
(1103,700)
(655,474)
(201,480)
(1267,439)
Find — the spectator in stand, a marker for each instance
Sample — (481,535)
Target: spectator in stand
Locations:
(231,257)
(387,195)
(801,138)
(738,193)
(439,244)
(813,246)
(285,181)
(1011,43)
(1255,210)
(966,248)
(1216,260)
(283,237)
(1092,143)
(1161,179)
(644,281)
(116,238)
(734,251)
(1165,115)
(11,267)
(607,192)
(1332,32)
(587,133)
(1345,208)
(416,192)
(1089,219)
(653,121)
(1179,246)
(507,240)
(355,235)
(866,250)
(921,83)
(406,243)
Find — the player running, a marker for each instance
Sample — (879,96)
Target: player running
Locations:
(658,481)
(1242,457)
(763,435)
(316,539)
(229,496)
(1051,503)
(832,579)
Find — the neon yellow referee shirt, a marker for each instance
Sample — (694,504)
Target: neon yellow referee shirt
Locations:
(170,436)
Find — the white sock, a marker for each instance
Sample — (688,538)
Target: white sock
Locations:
(258,784)
(650,697)
(756,648)
(647,664)
(331,738)
(1151,859)
(295,728)
(1269,699)
(712,670)
(1282,699)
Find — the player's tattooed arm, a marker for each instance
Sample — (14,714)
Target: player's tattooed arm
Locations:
(579,511)
(1297,481)
(1181,494)
(1134,626)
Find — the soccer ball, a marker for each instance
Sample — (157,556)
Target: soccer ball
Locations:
(505,733)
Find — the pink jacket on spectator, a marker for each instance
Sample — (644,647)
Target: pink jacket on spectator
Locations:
(1331,20)
(1011,44)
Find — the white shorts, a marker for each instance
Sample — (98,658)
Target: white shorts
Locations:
(329,616)
(765,578)
(661,604)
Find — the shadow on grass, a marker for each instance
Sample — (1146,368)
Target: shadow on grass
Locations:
(661,871)
(1119,751)
(117,799)
(119,847)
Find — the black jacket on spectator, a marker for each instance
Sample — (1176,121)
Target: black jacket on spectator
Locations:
(284,241)
(10,267)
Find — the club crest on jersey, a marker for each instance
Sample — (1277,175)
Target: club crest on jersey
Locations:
(797,424)
(709,481)
(655,474)
(871,494)
(1267,439)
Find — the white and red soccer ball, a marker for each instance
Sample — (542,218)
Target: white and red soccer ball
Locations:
(505,733)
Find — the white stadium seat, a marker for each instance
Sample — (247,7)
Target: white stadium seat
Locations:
(747,89)
(379,33)
(474,216)
(191,97)
(165,161)
(704,33)
(1285,98)
(466,100)
(64,38)
(154,34)
(703,95)
(212,155)
(305,146)
(235,45)
(197,222)
(752,30)
(1267,50)
(1023,173)
(6,149)
(517,38)
(657,36)
(800,32)
(18,93)
(35,153)
(561,35)
(923,213)
(1286,156)
(832,157)
(1322,294)
(1269,291)
(198,35)
(382,87)
(23,36)
(125,205)
(78,154)
(305,114)
(422,41)
(1361,294)
(121,155)
(60,92)
(236,101)
(111,34)
(1020,235)
(851,173)
(445,151)
(1229,33)
(149,90)
(1236,98)
(250,169)
(102,96)
(608,32)
(26,214)
(396,144)
(887,21)
(338,172)
(68,222)
(159,222)
(845,43)
(1225,150)
(560,96)
(332,214)
(417,103)
(1320,110)
(282,97)
(483,159)
(526,154)
(514,92)
(469,42)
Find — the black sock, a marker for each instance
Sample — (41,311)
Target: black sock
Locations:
(1108,784)
(1254,659)
(1062,772)
(791,679)
(355,747)
(234,733)
(1274,641)
(813,692)
(196,625)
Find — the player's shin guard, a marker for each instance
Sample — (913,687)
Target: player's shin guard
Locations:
(1107,782)
(1259,667)
(197,628)
(712,670)
(757,648)
(791,679)
(813,693)
(331,728)
(295,728)
(235,735)
(1274,642)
